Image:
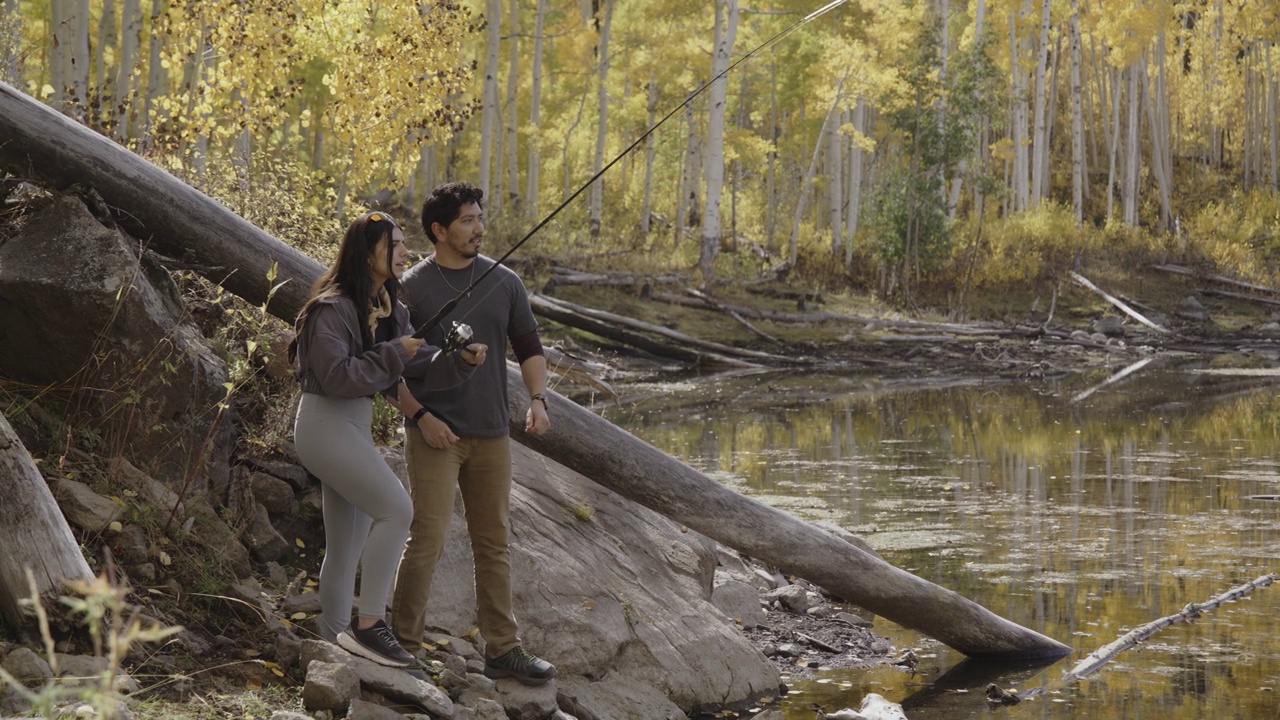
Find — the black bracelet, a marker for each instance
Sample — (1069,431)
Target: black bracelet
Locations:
(541,397)
(418,415)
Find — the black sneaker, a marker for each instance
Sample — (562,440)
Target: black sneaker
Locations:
(520,664)
(376,643)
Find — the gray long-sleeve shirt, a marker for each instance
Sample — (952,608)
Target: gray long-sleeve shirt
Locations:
(331,360)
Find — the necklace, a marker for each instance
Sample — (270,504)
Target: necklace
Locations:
(451,287)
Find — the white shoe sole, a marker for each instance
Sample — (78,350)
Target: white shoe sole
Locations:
(353,646)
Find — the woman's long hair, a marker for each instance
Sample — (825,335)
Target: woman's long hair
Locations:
(349,274)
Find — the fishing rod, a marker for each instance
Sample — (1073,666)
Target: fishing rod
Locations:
(460,334)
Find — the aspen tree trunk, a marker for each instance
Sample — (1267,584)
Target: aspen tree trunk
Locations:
(726,32)
(1052,112)
(10,41)
(856,155)
(513,118)
(806,183)
(690,216)
(1077,119)
(1158,121)
(535,115)
(1113,142)
(156,77)
(489,111)
(1133,147)
(58,46)
(1272,108)
(107,37)
(835,189)
(602,119)
(771,171)
(650,153)
(1021,191)
(79,59)
(130,42)
(34,535)
(1040,137)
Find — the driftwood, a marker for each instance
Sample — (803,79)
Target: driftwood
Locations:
(640,334)
(42,143)
(614,458)
(33,533)
(566,276)
(731,313)
(1240,296)
(1179,270)
(1107,653)
(1117,302)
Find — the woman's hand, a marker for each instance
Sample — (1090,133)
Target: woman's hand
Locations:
(475,353)
(412,344)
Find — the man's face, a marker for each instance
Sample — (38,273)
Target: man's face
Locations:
(463,235)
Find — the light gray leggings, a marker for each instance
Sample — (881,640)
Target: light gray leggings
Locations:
(367,510)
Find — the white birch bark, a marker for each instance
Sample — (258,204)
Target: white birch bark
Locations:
(130,43)
(806,183)
(1132,150)
(855,179)
(1040,136)
(1021,191)
(108,36)
(156,80)
(1113,142)
(771,171)
(489,94)
(650,154)
(682,182)
(602,119)
(58,48)
(79,59)
(726,32)
(835,184)
(1077,119)
(535,115)
(1161,152)
(513,118)
(1272,108)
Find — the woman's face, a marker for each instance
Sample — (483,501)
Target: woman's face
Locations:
(388,257)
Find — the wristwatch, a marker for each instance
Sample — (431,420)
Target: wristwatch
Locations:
(418,415)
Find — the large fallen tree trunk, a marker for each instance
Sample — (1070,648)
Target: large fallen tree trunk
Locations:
(43,144)
(614,458)
(34,535)
(150,204)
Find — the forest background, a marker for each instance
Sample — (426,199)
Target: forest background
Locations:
(884,146)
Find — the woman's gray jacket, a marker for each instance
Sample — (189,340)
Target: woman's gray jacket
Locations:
(331,363)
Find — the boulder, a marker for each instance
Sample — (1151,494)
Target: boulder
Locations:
(618,598)
(79,305)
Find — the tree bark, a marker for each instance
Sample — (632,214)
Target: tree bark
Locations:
(489,90)
(726,32)
(171,216)
(33,533)
(535,115)
(600,450)
(1040,130)
(602,120)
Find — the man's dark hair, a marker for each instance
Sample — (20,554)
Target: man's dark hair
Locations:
(444,204)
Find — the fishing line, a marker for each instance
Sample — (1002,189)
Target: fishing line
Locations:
(449,306)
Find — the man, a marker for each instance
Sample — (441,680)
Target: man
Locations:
(460,438)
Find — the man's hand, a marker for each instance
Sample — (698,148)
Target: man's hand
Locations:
(474,354)
(436,432)
(536,421)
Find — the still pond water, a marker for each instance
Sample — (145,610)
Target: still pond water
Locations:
(1077,508)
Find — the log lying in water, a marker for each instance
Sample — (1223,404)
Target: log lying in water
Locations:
(609,455)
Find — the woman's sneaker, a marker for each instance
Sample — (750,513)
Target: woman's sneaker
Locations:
(520,664)
(376,643)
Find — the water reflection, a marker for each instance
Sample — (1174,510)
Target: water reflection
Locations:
(1079,514)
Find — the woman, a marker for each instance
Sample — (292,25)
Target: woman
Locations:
(353,339)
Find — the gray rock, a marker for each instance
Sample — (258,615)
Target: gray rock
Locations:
(793,598)
(289,715)
(1191,309)
(1109,326)
(329,686)
(306,602)
(523,702)
(27,667)
(261,537)
(288,470)
(740,601)
(87,671)
(275,494)
(83,507)
(392,682)
(162,498)
(131,340)
(361,710)
(483,709)
(616,696)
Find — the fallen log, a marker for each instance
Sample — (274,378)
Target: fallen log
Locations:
(153,206)
(41,143)
(34,534)
(1180,270)
(715,304)
(614,458)
(1241,296)
(1082,280)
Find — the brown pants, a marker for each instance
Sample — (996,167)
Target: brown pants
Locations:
(481,469)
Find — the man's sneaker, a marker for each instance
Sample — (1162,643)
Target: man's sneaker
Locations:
(520,664)
(376,643)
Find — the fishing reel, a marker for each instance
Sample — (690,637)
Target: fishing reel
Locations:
(458,336)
